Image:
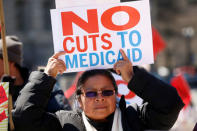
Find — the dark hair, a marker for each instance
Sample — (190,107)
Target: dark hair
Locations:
(90,73)
(24,72)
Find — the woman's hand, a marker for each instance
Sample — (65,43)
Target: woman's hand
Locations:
(55,65)
(124,67)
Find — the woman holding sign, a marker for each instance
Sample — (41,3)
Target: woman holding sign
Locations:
(96,95)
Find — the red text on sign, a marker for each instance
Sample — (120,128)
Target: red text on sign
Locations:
(76,42)
(92,26)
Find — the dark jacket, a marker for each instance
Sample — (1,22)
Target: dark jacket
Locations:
(159,112)
(57,100)
(24,72)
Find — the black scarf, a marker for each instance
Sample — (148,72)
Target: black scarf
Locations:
(103,126)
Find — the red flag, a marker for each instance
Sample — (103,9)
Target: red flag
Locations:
(183,88)
(158,42)
(3,96)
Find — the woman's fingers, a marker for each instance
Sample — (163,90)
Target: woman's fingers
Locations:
(117,66)
(62,63)
(55,65)
(124,67)
(56,55)
(124,55)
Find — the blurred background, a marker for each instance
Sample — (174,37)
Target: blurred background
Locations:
(175,21)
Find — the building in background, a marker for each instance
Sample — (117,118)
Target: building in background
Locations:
(30,20)
(177,22)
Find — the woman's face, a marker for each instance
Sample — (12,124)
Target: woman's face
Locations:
(99,107)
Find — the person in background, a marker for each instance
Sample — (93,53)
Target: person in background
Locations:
(19,73)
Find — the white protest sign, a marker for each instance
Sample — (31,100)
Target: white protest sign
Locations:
(71,3)
(93,35)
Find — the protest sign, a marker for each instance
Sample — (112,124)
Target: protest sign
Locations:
(4,106)
(91,36)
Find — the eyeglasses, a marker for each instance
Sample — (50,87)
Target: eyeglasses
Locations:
(92,94)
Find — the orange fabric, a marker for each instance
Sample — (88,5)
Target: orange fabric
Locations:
(158,42)
(183,89)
